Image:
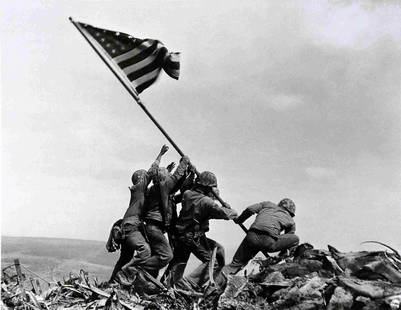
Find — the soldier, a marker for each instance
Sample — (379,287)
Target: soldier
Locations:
(264,233)
(157,215)
(131,225)
(192,224)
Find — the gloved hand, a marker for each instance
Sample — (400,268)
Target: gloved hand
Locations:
(164,149)
(170,167)
(226,205)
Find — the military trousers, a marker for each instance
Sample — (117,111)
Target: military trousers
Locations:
(255,242)
(133,248)
(161,252)
(199,245)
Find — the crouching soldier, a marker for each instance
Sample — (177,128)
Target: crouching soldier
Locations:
(192,224)
(132,238)
(264,233)
(157,216)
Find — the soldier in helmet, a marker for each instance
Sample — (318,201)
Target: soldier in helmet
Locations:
(132,237)
(157,215)
(265,232)
(198,207)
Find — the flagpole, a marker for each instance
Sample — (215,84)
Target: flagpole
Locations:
(125,83)
(128,86)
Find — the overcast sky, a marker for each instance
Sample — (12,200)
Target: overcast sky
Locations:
(297,99)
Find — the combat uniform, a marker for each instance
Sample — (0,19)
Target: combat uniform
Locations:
(264,233)
(158,215)
(133,240)
(192,224)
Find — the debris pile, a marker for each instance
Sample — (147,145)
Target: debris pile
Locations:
(318,279)
(307,279)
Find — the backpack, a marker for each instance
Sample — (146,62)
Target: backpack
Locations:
(116,237)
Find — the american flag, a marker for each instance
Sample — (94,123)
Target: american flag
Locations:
(140,60)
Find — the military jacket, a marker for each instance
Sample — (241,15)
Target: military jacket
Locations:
(197,209)
(270,218)
(138,191)
(158,204)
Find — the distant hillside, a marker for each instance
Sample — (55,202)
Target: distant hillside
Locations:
(56,257)
(51,257)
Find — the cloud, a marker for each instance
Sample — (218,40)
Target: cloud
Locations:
(284,102)
(320,172)
(355,24)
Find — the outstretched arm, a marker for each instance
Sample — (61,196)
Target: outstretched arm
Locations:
(224,211)
(155,165)
(163,151)
(248,212)
(179,172)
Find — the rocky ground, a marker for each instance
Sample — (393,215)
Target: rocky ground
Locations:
(307,279)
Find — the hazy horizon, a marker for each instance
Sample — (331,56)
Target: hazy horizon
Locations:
(295,99)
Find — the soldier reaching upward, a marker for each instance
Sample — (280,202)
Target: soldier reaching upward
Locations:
(131,224)
(157,216)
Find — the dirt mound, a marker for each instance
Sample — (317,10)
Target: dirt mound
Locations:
(307,279)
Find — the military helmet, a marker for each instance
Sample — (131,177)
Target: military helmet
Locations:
(137,175)
(207,178)
(288,205)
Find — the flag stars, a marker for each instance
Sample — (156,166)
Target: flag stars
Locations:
(116,45)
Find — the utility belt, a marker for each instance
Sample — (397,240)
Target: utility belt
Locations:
(262,232)
(192,233)
(191,238)
(154,223)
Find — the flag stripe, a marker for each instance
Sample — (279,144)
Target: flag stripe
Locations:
(138,57)
(138,65)
(157,63)
(145,85)
(143,46)
(146,77)
(172,65)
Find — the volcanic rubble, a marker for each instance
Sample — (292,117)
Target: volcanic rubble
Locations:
(307,279)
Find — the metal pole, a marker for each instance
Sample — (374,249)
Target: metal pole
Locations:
(20,277)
